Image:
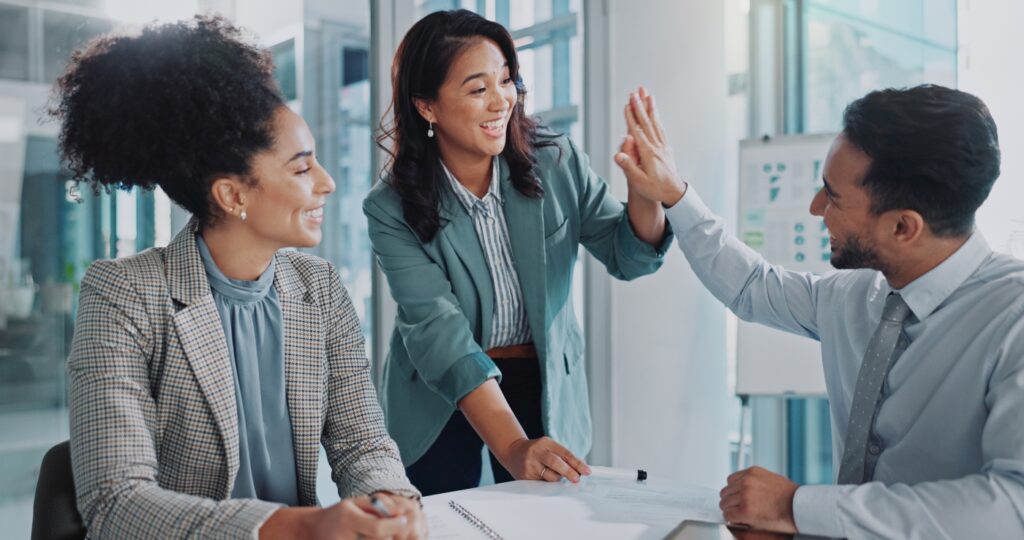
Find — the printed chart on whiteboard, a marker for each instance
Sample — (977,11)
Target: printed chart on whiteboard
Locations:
(778,182)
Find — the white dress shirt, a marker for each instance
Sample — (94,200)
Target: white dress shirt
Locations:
(949,433)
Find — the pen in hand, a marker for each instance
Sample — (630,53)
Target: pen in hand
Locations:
(379,507)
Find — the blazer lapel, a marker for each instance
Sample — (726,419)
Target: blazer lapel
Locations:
(304,371)
(460,232)
(199,330)
(525,218)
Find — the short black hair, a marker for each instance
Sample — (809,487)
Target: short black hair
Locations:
(175,106)
(934,150)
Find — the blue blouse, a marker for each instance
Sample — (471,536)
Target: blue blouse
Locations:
(251,317)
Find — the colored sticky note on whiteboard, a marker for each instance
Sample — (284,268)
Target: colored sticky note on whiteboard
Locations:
(754,239)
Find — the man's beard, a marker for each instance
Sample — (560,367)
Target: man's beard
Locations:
(854,254)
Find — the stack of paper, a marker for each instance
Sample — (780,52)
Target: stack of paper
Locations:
(596,508)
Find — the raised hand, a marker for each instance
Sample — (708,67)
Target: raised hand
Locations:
(645,155)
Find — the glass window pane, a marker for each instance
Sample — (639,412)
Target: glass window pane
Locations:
(528,12)
(98,4)
(536,72)
(284,68)
(62,34)
(927,20)
(851,48)
(355,63)
(35,331)
(429,6)
(14,43)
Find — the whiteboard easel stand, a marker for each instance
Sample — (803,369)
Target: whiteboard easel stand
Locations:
(740,452)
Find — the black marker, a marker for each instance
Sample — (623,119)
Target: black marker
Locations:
(610,472)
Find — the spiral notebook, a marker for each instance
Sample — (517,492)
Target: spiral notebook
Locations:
(474,521)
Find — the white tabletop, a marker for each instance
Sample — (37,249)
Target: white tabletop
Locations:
(596,508)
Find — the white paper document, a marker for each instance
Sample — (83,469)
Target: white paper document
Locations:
(598,507)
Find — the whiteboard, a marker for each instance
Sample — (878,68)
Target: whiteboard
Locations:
(778,178)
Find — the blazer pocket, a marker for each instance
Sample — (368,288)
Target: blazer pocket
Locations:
(558,233)
(572,361)
(572,352)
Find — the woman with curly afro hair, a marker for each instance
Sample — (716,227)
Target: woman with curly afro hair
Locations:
(205,375)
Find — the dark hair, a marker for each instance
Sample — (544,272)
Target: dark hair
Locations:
(420,67)
(933,150)
(175,106)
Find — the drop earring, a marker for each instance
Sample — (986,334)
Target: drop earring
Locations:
(430,131)
(243,215)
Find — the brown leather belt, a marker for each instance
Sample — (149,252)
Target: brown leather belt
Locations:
(526,350)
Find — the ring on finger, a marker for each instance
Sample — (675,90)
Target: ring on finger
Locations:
(542,471)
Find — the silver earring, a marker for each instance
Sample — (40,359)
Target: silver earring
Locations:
(430,131)
(243,215)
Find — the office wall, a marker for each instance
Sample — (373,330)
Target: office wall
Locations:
(990,44)
(671,409)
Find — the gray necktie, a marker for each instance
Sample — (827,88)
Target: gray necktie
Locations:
(880,356)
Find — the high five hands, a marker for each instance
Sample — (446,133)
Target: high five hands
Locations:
(645,155)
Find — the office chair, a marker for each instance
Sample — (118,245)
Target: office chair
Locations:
(55,511)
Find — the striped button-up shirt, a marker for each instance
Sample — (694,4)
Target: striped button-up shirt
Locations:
(509,325)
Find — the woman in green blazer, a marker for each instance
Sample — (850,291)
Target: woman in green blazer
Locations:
(477,227)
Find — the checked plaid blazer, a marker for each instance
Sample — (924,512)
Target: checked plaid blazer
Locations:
(154,433)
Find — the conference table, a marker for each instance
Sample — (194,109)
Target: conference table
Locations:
(598,508)
(693,530)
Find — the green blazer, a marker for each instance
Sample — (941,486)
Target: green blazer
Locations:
(446,300)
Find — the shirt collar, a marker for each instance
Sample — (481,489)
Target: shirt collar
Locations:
(467,197)
(235,289)
(929,291)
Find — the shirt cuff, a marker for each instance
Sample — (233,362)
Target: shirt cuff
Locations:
(407,492)
(249,518)
(637,248)
(688,212)
(465,375)
(816,512)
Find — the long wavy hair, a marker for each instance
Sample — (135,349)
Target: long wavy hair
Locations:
(419,69)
